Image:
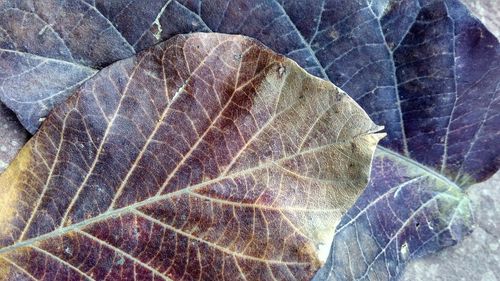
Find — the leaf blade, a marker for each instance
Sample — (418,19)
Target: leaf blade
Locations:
(112,178)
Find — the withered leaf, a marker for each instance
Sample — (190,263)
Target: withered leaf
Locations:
(206,157)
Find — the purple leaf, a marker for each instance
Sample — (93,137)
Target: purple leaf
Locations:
(406,211)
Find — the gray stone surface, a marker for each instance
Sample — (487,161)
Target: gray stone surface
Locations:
(12,136)
(488,11)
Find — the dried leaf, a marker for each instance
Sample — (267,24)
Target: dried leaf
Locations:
(206,157)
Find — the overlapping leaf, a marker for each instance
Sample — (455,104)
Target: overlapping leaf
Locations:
(408,212)
(207,157)
(425,69)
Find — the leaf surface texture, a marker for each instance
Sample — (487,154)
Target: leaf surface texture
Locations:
(205,157)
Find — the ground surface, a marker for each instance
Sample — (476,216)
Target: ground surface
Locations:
(12,136)
(488,11)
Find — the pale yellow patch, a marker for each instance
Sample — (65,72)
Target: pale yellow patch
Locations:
(4,270)
(10,189)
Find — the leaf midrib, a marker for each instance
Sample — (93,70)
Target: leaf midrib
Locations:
(152,200)
(49,59)
(426,169)
(427,172)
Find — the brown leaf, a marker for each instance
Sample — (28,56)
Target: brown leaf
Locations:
(12,136)
(206,157)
